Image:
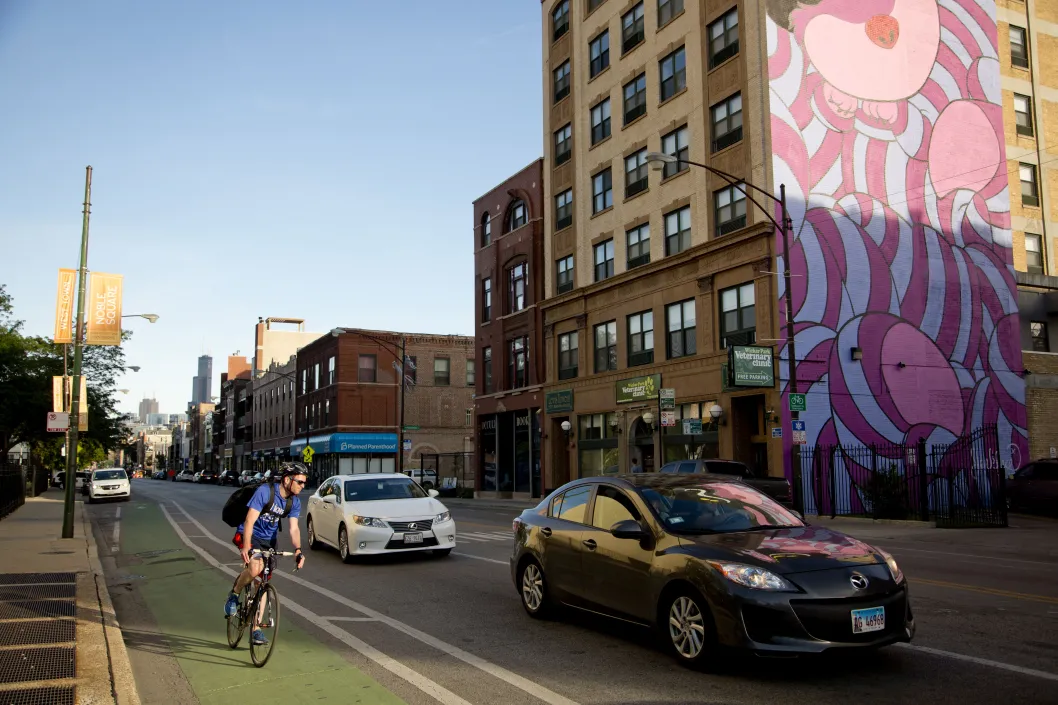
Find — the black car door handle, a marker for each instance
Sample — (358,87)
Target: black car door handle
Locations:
(590,543)
(546,531)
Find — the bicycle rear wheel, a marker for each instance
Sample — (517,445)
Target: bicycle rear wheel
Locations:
(237,622)
(266,620)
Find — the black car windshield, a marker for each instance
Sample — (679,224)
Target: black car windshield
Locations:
(716,507)
(109,475)
(382,488)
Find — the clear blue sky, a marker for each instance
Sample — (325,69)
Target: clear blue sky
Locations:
(311,160)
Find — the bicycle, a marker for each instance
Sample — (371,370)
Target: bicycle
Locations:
(251,611)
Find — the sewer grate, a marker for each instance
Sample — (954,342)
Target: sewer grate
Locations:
(39,696)
(29,578)
(44,631)
(37,608)
(44,664)
(22,593)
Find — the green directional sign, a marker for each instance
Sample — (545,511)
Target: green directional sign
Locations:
(668,399)
(798,402)
(411,428)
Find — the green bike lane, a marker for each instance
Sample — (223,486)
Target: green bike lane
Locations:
(186,596)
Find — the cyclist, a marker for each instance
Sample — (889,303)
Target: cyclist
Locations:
(260,531)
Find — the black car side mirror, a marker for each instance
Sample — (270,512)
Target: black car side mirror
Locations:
(628,529)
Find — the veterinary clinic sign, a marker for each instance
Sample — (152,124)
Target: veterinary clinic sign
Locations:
(638,388)
(104,310)
(751,366)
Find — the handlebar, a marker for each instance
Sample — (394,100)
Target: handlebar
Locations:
(270,552)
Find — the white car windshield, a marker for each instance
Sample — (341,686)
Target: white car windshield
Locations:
(109,475)
(382,488)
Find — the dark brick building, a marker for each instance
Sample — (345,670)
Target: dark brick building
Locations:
(509,281)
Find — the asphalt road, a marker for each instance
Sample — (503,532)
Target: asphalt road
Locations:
(452,630)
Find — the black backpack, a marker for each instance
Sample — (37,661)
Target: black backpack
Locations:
(234,512)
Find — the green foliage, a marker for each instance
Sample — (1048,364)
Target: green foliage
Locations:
(886,492)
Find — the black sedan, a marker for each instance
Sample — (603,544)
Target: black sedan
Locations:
(709,563)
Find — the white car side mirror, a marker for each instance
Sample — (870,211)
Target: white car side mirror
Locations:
(433,493)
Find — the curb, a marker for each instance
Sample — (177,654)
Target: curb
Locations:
(122,681)
(911,523)
(485,504)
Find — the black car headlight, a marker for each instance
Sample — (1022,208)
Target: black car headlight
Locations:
(751,576)
(894,569)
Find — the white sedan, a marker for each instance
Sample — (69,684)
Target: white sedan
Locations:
(378,513)
(109,484)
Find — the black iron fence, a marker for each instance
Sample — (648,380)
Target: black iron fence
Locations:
(452,474)
(12,489)
(962,483)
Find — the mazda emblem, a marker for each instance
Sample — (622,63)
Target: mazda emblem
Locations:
(858,581)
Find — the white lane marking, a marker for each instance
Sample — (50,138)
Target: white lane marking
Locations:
(117,530)
(535,689)
(480,558)
(481,536)
(897,549)
(420,681)
(981,661)
(350,619)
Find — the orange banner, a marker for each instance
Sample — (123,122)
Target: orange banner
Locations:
(58,394)
(104,309)
(64,305)
(82,405)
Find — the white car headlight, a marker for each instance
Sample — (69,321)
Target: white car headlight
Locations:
(894,569)
(751,576)
(442,517)
(369,521)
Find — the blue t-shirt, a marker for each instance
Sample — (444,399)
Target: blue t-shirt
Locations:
(267,524)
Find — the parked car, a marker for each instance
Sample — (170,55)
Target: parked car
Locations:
(207,476)
(378,513)
(778,488)
(109,484)
(1034,488)
(708,562)
(228,477)
(160,475)
(184,476)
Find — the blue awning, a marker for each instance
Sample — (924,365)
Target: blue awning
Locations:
(359,443)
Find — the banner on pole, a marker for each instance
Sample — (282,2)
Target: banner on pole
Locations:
(82,405)
(64,306)
(104,309)
(58,394)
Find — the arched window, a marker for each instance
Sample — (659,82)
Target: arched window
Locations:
(486,230)
(517,215)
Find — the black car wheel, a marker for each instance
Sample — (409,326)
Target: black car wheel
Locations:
(343,545)
(442,552)
(687,626)
(314,543)
(533,589)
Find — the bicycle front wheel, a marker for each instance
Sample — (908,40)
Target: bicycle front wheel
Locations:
(237,622)
(265,621)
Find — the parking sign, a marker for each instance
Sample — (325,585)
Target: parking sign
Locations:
(800,436)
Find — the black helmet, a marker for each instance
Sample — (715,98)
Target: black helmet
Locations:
(293,468)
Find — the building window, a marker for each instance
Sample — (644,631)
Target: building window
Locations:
(486,230)
(635,92)
(470,373)
(738,317)
(680,322)
(327,412)
(367,369)
(602,190)
(727,122)
(470,417)
(560,20)
(564,209)
(677,231)
(1040,343)
(667,9)
(723,38)
(1029,194)
(568,355)
(516,279)
(633,30)
(592,4)
(641,338)
(1034,254)
(517,216)
(518,362)
(673,73)
(316,370)
(486,299)
(729,210)
(599,49)
(411,370)
(441,368)
(638,245)
(675,144)
(1019,47)
(1023,115)
(486,356)
(565,274)
(606,346)
(563,144)
(332,376)
(600,121)
(636,173)
(604,260)
(562,81)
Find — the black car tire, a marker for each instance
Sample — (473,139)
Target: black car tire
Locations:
(343,545)
(442,552)
(313,541)
(538,606)
(692,642)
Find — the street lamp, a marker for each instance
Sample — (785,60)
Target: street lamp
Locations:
(134,368)
(152,317)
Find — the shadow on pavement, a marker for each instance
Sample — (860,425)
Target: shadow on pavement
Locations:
(213,651)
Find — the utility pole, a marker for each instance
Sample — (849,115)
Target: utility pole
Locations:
(78,349)
(402,372)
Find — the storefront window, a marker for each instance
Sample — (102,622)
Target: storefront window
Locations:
(522,451)
(681,446)
(488,454)
(597,445)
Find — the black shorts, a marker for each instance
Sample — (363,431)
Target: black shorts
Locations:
(256,544)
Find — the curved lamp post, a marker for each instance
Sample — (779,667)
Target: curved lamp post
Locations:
(152,317)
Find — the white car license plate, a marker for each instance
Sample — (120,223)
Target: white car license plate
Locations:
(413,538)
(871,619)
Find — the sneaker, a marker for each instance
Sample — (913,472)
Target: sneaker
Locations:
(259,639)
(232,605)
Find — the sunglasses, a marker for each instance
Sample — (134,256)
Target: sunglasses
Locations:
(298,482)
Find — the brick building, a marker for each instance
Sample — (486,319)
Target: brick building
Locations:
(509,279)
(347,404)
(273,414)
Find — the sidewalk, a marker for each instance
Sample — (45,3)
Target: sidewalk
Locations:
(514,505)
(59,638)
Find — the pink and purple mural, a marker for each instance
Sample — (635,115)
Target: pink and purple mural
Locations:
(887,129)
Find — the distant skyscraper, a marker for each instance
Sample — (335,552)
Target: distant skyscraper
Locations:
(202,385)
(148,407)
